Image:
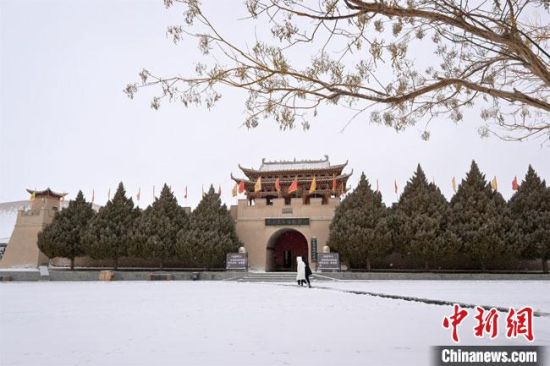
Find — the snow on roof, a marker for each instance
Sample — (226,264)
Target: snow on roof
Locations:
(286,165)
(271,166)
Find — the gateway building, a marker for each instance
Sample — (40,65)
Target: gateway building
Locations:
(287,210)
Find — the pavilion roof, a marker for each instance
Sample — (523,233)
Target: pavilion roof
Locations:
(294,166)
(46,192)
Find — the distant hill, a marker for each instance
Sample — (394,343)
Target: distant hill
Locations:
(8,216)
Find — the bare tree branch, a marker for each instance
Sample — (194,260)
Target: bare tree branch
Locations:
(487,55)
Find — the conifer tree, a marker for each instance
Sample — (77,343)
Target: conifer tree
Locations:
(108,235)
(359,230)
(155,232)
(530,207)
(210,236)
(481,219)
(63,237)
(423,211)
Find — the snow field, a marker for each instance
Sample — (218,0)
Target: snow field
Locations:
(228,323)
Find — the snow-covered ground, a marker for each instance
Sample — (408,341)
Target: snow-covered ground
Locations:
(228,323)
(491,293)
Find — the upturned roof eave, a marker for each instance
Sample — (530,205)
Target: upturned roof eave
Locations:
(46,192)
(256,172)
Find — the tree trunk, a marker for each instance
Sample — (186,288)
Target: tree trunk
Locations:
(368,264)
(426,266)
(72,264)
(161,263)
(116,263)
(544,265)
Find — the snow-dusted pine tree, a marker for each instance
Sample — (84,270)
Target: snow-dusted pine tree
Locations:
(530,207)
(359,230)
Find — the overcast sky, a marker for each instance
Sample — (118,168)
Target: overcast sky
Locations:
(65,122)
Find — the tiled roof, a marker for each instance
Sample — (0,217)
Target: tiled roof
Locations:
(291,165)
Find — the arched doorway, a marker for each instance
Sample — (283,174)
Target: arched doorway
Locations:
(283,248)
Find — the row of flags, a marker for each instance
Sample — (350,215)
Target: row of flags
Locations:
(494,184)
(138,194)
(240,188)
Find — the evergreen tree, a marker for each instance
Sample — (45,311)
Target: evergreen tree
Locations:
(63,237)
(423,211)
(211,234)
(155,231)
(359,230)
(530,207)
(108,235)
(481,219)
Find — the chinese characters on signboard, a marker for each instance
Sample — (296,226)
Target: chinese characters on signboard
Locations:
(328,261)
(314,249)
(287,221)
(236,261)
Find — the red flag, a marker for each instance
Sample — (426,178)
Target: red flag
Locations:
(278,185)
(294,186)
(241,186)
(515,185)
(334,182)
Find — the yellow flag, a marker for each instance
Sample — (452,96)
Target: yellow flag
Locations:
(258,185)
(494,184)
(313,186)
(235,190)
(453,183)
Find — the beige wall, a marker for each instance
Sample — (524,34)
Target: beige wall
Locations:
(252,231)
(22,250)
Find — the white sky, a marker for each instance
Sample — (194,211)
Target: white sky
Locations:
(65,122)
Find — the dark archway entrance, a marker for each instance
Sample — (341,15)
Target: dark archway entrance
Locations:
(283,248)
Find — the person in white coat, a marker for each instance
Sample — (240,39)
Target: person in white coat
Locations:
(301,269)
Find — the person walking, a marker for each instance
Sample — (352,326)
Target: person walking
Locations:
(301,271)
(307,272)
